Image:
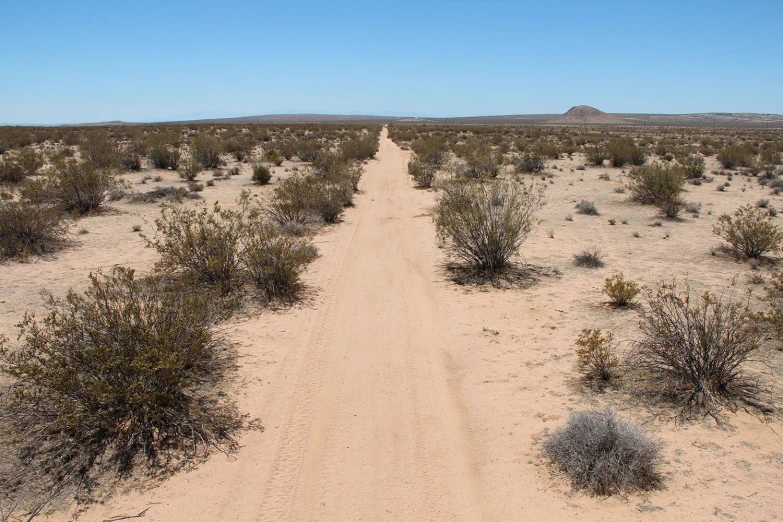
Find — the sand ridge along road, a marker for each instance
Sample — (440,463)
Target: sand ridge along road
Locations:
(363,417)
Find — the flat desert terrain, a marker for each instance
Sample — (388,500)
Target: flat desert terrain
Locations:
(390,392)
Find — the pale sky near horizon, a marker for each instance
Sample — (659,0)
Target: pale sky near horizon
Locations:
(86,61)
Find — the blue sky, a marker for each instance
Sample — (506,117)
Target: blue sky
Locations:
(83,61)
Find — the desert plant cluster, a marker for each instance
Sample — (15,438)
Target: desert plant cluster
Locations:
(131,372)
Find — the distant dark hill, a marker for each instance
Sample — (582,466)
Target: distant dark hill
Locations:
(586,115)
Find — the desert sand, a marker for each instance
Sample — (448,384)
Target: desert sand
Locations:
(392,393)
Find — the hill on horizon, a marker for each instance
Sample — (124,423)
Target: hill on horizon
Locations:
(587,115)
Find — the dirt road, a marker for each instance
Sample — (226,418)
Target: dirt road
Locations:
(356,389)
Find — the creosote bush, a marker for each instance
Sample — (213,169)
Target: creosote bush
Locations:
(620,291)
(595,355)
(530,162)
(261,174)
(122,374)
(72,185)
(275,261)
(733,156)
(605,455)
(30,229)
(659,184)
(423,173)
(749,231)
(692,350)
(206,150)
(623,151)
(485,224)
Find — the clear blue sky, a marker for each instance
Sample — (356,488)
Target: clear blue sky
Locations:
(141,60)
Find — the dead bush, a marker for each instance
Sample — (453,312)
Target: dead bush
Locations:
(120,375)
(750,231)
(620,291)
(595,355)
(605,455)
(30,229)
(692,350)
(485,224)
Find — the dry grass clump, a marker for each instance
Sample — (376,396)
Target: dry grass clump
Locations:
(30,229)
(123,374)
(589,258)
(485,224)
(587,208)
(596,359)
(692,350)
(605,455)
(749,231)
(620,291)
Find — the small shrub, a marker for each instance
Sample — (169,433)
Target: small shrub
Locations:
(595,355)
(188,168)
(292,201)
(261,174)
(620,291)
(587,208)
(750,231)
(30,229)
(693,166)
(275,262)
(485,224)
(589,258)
(123,372)
(605,455)
(692,349)
(762,203)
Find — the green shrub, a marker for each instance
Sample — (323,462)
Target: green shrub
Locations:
(360,149)
(773,316)
(188,168)
(659,184)
(99,150)
(164,151)
(261,174)
(693,166)
(692,350)
(530,162)
(423,173)
(595,355)
(30,229)
(481,163)
(431,150)
(733,156)
(605,455)
(623,151)
(595,155)
(307,149)
(750,231)
(292,201)
(485,224)
(207,150)
(275,262)
(73,186)
(11,171)
(203,245)
(330,197)
(130,159)
(30,161)
(123,372)
(620,291)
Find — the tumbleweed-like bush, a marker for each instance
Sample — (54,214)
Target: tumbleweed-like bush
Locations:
(604,454)
(485,224)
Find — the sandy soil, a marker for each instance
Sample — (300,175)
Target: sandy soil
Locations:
(394,394)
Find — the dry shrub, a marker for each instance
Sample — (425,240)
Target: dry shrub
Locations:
(261,174)
(163,151)
(595,355)
(11,171)
(692,350)
(99,150)
(72,185)
(773,316)
(693,166)
(659,184)
(623,151)
(188,168)
(480,163)
(733,156)
(30,229)
(587,207)
(275,262)
(306,149)
(292,201)
(120,375)
(360,148)
(595,155)
(530,162)
(604,455)
(620,291)
(750,231)
(485,224)
(431,150)
(589,258)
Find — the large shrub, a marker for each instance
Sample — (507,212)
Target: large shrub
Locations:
(72,185)
(124,373)
(11,171)
(485,224)
(692,349)
(733,156)
(604,455)
(749,231)
(30,229)
(360,148)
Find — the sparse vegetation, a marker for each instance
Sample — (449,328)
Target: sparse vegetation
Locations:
(659,184)
(595,355)
(589,258)
(750,231)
